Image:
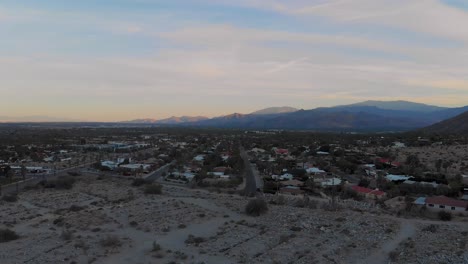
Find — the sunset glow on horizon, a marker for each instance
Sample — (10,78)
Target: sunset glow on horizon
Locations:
(119,60)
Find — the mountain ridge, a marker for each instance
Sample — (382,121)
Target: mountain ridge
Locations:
(368,115)
(454,125)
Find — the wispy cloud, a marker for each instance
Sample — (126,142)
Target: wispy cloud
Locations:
(128,64)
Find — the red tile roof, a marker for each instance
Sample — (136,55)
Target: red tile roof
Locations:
(443,200)
(281,151)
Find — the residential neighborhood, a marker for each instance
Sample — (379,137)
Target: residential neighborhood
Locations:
(390,180)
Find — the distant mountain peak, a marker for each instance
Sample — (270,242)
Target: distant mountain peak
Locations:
(275,110)
(400,105)
(170,120)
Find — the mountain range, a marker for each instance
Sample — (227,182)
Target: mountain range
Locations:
(168,121)
(454,125)
(364,116)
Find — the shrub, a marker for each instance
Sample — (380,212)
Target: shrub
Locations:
(191,239)
(295,228)
(10,198)
(430,228)
(7,235)
(393,255)
(111,241)
(75,208)
(139,182)
(66,235)
(445,216)
(156,247)
(154,188)
(256,207)
(62,182)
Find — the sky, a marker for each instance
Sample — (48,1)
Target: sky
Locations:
(114,60)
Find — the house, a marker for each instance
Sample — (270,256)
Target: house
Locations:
(135,167)
(323,153)
(199,158)
(395,178)
(465,194)
(111,165)
(368,193)
(315,171)
(398,144)
(329,182)
(220,169)
(280,151)
(388,162)
(257,150)
(285,176)
(295,183)
(216,174)
(443,203)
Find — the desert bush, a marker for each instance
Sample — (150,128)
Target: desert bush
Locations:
(278,199)
(75,208)
(295,228)
(431,228)
(154,188)
(66,235)
(74,173)
(191,239)
(393,255)
(7,235)
(156,247)
(302,202)
(110,241)
(313,204)
(256,207)
(285,238)
(331,206)
(10,198)
(445,216)
(62,182)
(139,182)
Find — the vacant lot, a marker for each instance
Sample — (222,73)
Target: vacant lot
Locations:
(110,221)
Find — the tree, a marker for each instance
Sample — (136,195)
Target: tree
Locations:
(438,165)
(24,171)
(256,207)
(10,174)
(446,165)
(364,182)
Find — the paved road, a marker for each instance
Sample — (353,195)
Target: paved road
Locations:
(252,180)
(158,173)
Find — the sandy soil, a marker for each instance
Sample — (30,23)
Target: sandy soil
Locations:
(110,221)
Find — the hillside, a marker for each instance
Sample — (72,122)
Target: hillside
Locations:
(275,110)
(455,125)
(364,116)
(170,120)
(401,105)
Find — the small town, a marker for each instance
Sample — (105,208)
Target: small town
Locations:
(234,132)
(169,195)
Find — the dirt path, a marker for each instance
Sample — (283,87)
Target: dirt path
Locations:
(407,230)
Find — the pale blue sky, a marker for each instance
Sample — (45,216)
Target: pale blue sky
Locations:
(113,60)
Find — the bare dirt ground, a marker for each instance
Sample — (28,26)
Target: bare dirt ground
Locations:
(110,221)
